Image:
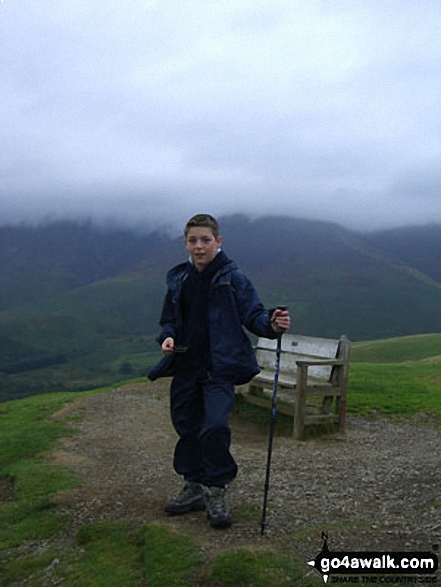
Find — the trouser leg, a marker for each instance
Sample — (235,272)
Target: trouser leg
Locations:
(215,437)
(186,406)
(200,410)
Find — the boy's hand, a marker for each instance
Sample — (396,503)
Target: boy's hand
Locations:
(168,346)
(280,320)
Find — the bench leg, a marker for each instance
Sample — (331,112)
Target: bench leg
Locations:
(341,411)
(300,403)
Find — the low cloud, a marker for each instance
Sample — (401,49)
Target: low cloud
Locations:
(150,111)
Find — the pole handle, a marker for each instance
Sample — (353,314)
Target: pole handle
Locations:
(280,331)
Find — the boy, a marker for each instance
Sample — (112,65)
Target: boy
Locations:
(207,303)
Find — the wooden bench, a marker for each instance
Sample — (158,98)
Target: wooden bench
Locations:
(312,379)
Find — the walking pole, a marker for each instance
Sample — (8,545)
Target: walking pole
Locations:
(263,522)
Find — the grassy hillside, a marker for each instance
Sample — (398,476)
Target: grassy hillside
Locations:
(398,350)
(33,286)
(398,376)
(89,337)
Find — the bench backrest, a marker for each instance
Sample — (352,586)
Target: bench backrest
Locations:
(297,347)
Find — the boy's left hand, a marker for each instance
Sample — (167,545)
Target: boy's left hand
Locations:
(280,320)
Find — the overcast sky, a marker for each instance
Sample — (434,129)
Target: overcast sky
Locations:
(154,110)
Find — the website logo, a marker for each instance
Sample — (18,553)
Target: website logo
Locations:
(376,567)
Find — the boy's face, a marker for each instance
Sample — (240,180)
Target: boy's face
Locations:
(202,246)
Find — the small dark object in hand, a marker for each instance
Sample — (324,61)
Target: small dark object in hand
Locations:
(179,348)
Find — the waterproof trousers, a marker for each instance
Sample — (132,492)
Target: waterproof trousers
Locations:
(200,407)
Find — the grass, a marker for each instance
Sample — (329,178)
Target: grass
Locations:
(395,389)
(27,433)
(260,569)
(396,377)
(162,550)
(108,557)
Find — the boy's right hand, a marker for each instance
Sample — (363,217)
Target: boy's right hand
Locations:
(168,346)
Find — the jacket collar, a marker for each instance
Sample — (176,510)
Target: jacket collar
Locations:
(220,266)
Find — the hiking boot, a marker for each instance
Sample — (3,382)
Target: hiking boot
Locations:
(191,498)
(217,511)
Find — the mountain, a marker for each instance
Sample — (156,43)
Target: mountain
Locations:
(334,280)
(416,246)
(79,305)
(40,262)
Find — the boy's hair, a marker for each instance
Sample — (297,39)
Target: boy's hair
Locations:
(205,220)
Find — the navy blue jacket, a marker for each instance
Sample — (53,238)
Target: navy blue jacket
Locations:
(233,303)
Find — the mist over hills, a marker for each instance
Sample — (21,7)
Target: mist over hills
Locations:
(80,304)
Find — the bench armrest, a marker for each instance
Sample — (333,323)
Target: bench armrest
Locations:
(313,362)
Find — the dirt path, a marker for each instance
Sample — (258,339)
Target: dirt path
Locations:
(376,488)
